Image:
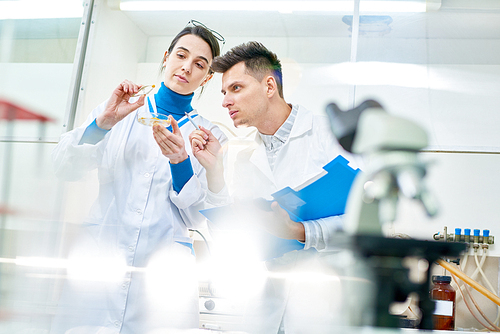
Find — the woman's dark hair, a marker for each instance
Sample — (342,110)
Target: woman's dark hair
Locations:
(201,32)
(259,61)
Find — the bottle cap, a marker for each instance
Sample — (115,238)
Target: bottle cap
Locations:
(441,279)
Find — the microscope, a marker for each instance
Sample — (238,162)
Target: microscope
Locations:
(389,146)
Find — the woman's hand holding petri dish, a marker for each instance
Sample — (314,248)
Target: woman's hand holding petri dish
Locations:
(148,118)
(119,105)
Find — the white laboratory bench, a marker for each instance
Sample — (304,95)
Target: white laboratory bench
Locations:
(356,330)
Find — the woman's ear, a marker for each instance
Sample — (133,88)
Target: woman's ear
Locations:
(165,56)
(207,79)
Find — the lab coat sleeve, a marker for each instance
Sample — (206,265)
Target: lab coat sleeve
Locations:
(194,196)
(222,197)
(190,200)
(72,160)
(219,199)
(319,233)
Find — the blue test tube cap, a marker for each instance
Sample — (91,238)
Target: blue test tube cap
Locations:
(486,233)
(458,231)
(467,231)
(476,232)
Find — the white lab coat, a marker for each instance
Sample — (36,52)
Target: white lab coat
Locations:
(137,218)
(310,146)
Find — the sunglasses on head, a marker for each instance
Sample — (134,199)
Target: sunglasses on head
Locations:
(218,36)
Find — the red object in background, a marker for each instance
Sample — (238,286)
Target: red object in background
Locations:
(10,112)
(5,211)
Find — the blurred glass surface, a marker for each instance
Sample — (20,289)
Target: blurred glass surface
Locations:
(38,43)
(440,68)
(36,65)
(437,68)
(30,209)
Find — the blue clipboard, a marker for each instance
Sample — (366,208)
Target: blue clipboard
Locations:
(324,197)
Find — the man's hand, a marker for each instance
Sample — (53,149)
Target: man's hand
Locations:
(118,106)
(207,149)
(277,222)
(282,226)
(171,143)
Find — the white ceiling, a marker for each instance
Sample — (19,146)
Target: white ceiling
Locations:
(480,22)
(454,20)
(450,35)
(469,26)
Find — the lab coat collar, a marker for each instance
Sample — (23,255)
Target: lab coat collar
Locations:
(303,123)
(259,158)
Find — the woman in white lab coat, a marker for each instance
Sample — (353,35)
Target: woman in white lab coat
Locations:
(132,269)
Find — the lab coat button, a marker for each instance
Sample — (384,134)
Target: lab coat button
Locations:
(147,175)
(131,248)
(117,324)
(139,212)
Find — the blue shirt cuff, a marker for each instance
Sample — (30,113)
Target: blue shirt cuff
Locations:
(181,173)
(93,134)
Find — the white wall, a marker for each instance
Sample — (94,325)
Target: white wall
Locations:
(466,187)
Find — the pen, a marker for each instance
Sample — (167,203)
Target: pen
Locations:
(192,122)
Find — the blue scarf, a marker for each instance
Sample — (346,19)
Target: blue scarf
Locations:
(169,102)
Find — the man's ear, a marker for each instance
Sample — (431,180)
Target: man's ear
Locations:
(207,79)
(271,86)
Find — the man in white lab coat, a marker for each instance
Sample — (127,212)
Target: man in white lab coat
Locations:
(291,146)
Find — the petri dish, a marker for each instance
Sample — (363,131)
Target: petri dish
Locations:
(144,90)
(151,119)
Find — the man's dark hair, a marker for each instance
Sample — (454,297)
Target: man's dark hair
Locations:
(258,62)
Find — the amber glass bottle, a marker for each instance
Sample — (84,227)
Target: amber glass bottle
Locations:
(444,296)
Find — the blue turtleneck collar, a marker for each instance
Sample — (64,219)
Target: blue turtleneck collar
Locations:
(169,102)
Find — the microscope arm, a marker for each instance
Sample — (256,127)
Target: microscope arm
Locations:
(390,147)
